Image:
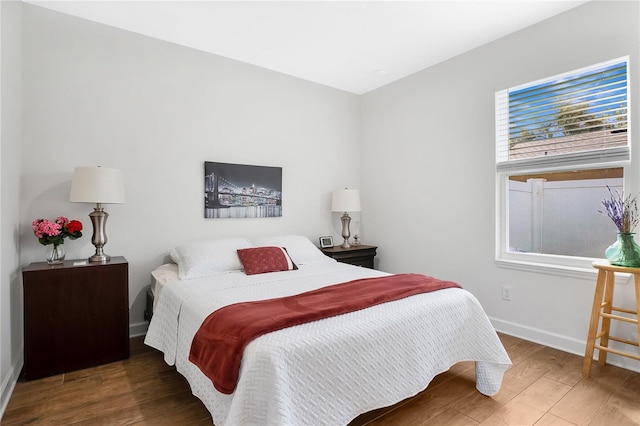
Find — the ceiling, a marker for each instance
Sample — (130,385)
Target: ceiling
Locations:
(355,46)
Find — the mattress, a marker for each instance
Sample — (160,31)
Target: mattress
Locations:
(332,370)
(160,276)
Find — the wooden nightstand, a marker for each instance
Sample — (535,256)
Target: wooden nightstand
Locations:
(74,316)
(356,255)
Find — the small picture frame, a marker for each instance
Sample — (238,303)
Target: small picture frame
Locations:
(326,242)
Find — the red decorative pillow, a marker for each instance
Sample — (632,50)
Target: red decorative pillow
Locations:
(259,260)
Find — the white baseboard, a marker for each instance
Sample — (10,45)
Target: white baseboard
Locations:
(9,383)
(563,343)
(138,329)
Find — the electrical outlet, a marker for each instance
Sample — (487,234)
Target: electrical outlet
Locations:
(506,292)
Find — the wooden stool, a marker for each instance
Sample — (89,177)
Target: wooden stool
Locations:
(602,307)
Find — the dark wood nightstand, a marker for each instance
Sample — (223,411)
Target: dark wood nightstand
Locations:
(356,255)
(74,316)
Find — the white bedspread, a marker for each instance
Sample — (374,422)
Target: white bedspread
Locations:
(332,370)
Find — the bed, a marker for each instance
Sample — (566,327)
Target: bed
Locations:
(327,371)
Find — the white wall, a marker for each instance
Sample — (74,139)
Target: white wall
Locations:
(428,168)
(10,140)
(95,95)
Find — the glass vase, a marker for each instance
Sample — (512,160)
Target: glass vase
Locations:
(624,252)
(55,254)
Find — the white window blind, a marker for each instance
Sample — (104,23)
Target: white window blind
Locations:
(570,120)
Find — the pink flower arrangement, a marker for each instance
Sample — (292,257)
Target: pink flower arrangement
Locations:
(55,232)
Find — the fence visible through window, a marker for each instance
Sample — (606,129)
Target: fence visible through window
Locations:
(557,215)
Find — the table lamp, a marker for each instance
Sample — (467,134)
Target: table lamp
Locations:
(346,200)
(99,185)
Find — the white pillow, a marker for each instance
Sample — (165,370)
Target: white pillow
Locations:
(301,249)
(206,258)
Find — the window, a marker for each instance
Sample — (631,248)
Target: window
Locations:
(561,143)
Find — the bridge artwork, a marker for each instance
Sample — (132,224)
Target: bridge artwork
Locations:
(242,191)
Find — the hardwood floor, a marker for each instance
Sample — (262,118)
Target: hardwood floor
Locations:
(544,387)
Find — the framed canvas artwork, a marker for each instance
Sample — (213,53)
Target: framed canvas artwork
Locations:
(241,191)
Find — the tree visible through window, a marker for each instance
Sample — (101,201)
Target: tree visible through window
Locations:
(559,143)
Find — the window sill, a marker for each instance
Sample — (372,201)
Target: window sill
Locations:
(587,273)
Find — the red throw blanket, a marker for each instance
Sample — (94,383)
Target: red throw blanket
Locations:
(219,343)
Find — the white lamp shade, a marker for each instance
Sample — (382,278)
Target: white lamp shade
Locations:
(346,200)
(97,185)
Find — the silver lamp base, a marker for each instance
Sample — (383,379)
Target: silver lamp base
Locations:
(99,238)
(99,258)
(346,220)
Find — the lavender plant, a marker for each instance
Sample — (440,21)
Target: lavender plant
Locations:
(622,211)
